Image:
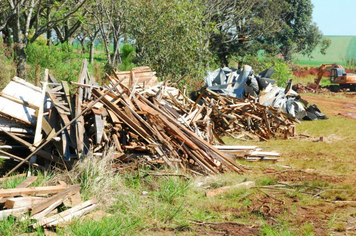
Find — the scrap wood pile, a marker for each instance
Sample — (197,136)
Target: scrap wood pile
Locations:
(44,206)
(144,120)
(234,117)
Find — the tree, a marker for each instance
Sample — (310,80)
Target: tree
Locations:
(240,27)
(26,20)
(109,15)
(169,35)
(299,33)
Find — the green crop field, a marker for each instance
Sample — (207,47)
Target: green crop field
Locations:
(341,48)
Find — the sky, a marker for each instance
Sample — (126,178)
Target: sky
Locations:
(335,17)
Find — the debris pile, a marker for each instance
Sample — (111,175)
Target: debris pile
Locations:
(245,118)
(44,206)
(309,88)
(243,83)
(146,122)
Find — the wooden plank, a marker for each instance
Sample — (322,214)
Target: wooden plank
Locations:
(14,212)
(117,143)
(32,190)
(76,214)
(79,124)
(59,196)
(12,203)
(19,101)
(84,85)
(63,214)
(99,128)
(46,211)
(236,147)
(38,131)
(27,182)
(114,117)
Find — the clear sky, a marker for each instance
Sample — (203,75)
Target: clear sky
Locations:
(335,17)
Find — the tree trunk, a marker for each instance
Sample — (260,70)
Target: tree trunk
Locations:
(91,52)
(116,58)
(19,48)
(20,59)
(92,46)
(49,31)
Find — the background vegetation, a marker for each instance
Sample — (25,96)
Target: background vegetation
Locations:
(172,37)
(342,50)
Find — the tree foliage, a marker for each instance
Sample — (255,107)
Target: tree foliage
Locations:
(173,37)
(239,27)
(299,33)
(169,35)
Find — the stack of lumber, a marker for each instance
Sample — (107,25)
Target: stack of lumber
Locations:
(43,205)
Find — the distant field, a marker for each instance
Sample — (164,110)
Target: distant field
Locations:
(341,48)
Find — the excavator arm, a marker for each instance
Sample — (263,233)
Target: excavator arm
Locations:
(323,68)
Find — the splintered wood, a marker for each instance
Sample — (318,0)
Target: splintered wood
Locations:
(44,206)
(140,125)
(145,121)
(237,116)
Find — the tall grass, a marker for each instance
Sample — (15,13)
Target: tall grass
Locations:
(7,68)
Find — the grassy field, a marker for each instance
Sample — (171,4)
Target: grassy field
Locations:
(341,48)
(310,191)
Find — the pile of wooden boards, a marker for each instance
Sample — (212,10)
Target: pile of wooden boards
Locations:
(44,206)
(144,120)
(232,117)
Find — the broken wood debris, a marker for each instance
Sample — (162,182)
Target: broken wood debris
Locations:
(146,121)
(44,206)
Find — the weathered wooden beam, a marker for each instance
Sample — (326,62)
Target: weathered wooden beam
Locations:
(61,130)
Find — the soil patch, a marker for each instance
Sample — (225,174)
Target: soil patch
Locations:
(334,106)
(302,176)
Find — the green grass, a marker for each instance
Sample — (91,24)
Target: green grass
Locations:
(341,47)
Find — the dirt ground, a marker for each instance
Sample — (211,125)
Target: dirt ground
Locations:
(335,106)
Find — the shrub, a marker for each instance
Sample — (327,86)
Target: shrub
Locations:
(8,69)
(60,60)
(128,53)
(283,72)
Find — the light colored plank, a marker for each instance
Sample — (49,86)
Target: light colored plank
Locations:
(63,214)
(27,182)
(32,190)
(12,203)
(59,196)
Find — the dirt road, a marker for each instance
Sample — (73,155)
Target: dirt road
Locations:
(335,106)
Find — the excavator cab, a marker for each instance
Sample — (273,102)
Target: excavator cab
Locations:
(335,73)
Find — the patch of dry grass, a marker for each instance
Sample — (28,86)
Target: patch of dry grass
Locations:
(96,177)
(8,69)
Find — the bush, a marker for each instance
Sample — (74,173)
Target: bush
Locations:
(60,60)
(128,53)
(8,68)
(283,72)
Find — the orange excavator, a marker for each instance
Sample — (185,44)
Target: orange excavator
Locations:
(337,76)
